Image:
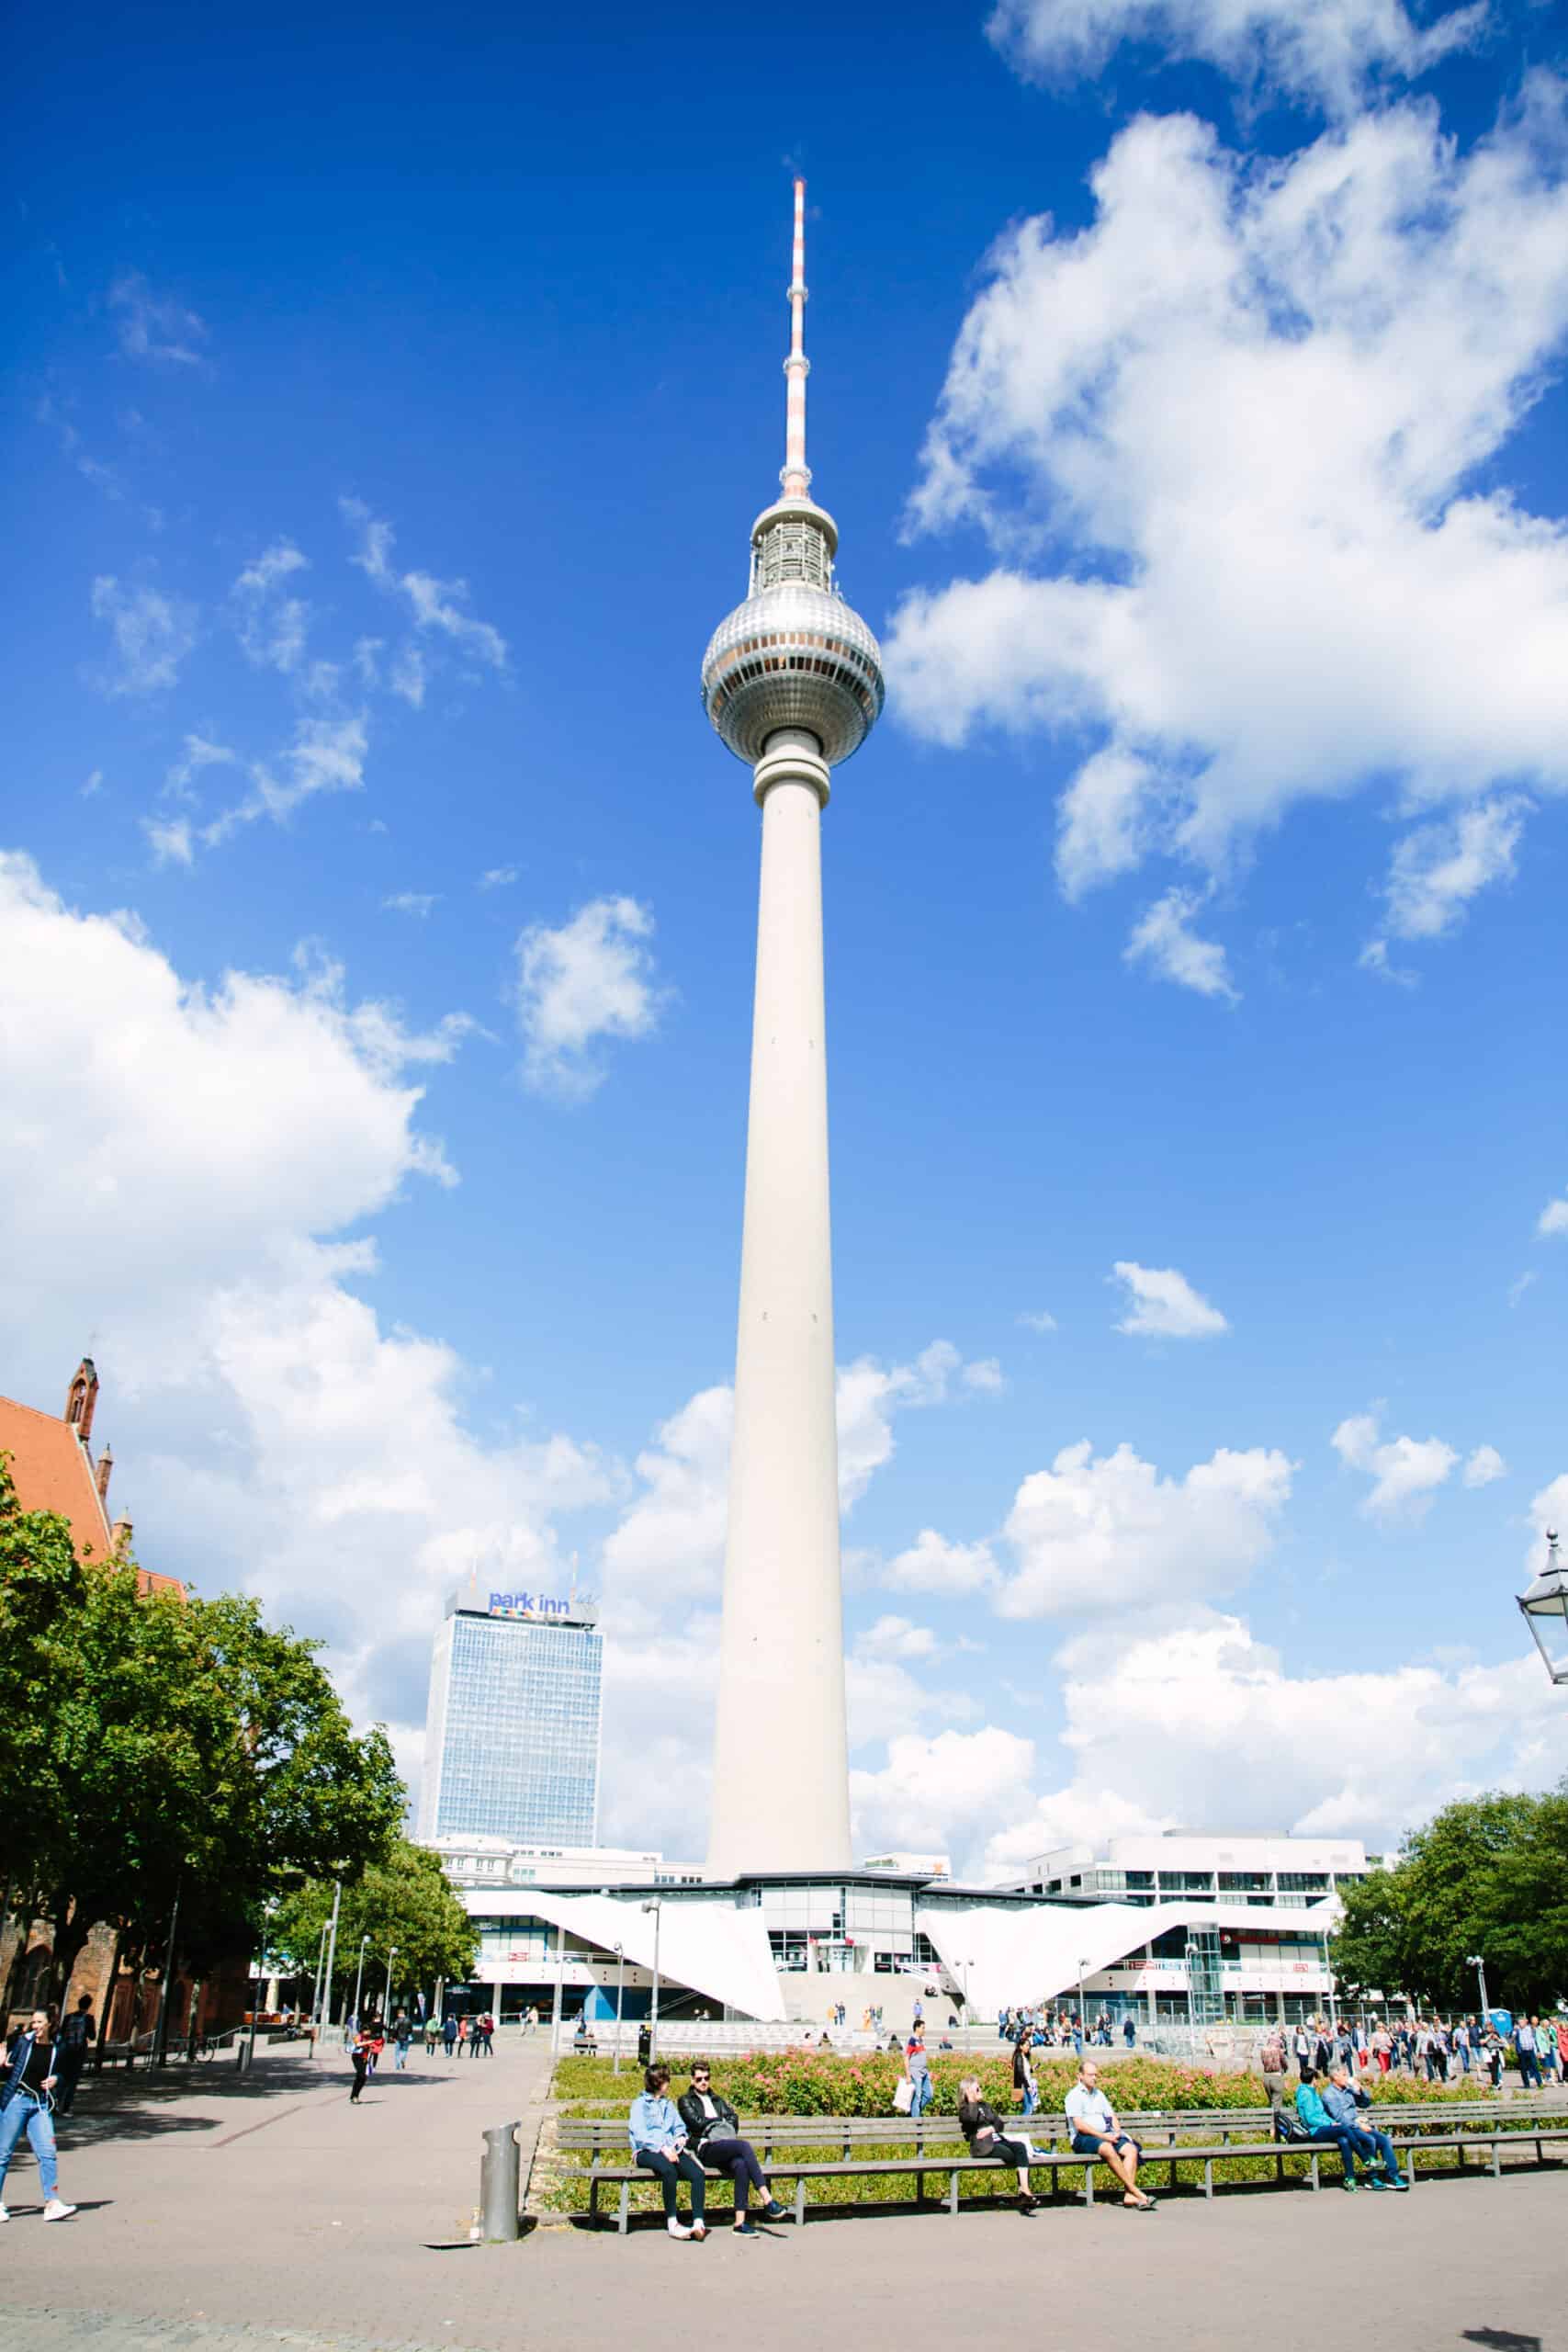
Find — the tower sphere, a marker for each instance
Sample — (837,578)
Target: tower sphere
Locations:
(794,655)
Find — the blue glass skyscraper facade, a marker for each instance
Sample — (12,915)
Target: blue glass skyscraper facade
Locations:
(511,1740)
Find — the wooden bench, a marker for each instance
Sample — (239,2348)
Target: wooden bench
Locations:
(1229,2135)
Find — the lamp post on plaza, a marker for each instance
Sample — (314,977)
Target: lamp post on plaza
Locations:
(331,1952)
(1083,2030)
(620,1981)
(964,1966)
(657,1908)
(1477,1961)
(386,2002)
(1543,1605)
(359,1978)
(316,1988)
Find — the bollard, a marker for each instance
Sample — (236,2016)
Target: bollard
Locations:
(500,2177)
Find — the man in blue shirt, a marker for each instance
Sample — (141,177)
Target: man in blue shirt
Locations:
(1343,2101)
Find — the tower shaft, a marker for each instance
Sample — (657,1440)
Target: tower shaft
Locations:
(780,1797)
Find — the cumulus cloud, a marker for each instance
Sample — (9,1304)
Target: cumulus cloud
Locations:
(1167,1730)
(1097,1534)
(1225,443)
(1164,939)
(155,327)
(933,1564)
(410,902)
(324,755)
(898,1638)
(1331,53)
(1553,1218)
(871,1393)
(152,635)
(1438,868)
(221,1142)
(1044,1321)
(1483,1466)
(1405,1471)
(940,1791)
(497,878)
(271,623)
(591,979)
(1162,1305)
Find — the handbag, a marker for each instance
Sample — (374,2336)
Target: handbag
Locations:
(903,2096)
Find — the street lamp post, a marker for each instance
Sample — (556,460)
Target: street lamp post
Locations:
(1543,1605)
(316,1988)
(1477,1961)
(359,1976)
(560,1989)
(657,1908)
(386,2002)
(620,1981)
(331,1946)
(1083,2030)
(964,1967)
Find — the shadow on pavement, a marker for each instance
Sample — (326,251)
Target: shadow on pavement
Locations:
(1501,2339)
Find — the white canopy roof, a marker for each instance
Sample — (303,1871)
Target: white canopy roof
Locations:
(707,1944)
(1001,1953)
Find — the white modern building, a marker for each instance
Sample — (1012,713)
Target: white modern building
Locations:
(511,1731)
(792,680)
(1197,1867)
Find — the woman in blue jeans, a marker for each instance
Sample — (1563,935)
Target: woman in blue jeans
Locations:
(659,2145)
(31,2072)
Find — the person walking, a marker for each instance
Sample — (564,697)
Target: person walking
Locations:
(1301,2045)
(449,2032)
(359,2058)
(402,2034)
(917,2066)
(76,2036)
(659,2145)
(486,2036)
(1130,2029)
(1524,2046)
(1271,2059)
(31,2075)
(1023,2083)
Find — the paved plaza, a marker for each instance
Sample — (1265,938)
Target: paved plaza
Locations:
(217,2215)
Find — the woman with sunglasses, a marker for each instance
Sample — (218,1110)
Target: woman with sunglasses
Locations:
(713,2135)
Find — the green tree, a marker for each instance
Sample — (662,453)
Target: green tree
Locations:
(406,1900)
(1487,1875)
(166,1748)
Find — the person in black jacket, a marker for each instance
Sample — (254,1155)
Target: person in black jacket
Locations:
(982,2127)
(713,2135)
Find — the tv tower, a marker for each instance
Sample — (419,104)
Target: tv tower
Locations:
(792,680)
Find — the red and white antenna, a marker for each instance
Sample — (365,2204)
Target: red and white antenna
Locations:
(797,474)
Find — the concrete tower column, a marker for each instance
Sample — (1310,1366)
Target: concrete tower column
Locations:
(781,1793)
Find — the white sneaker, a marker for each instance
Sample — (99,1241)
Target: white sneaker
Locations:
(677,2229)
(58,2210)
(5,2212)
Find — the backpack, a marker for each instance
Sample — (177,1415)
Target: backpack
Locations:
(1287,2125)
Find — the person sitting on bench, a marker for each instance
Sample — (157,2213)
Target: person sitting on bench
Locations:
(1318,2124)
(713,2135)
(1343,2100)
(982,2127)
(659,2145)
(1096,2134)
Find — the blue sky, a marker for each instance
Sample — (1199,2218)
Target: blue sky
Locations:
(387,404)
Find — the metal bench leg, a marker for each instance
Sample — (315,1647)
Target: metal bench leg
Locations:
(1208,2175)
(626,2206)
(952,2192)
(1316,2181)
(1089,2183)
(594,2198)
(1496,2160)
(1410,2163)
(1539,2149)
(799,2204)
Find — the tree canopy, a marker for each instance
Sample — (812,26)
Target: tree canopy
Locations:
(160,1745)
(406,1900)
(1488,1874)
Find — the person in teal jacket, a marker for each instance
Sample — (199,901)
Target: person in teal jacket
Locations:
(1318,2124)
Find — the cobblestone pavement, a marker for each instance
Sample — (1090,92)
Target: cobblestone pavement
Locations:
(225,2217)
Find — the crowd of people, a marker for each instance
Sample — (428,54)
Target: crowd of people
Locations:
(1048,2028)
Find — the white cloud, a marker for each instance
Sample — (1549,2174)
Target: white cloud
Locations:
(933,1564)
(986,1377)
(1167,1730)
(410,902)
(592,978)
(155,327)
(497,878)
(1163,1305)
(1330,53)
(1094,1535)
(1225,442)
(1517,1289)
(1484,1465)
(1553,1218)
(220,1142)
(898,1638)
(871,1393)
(940,1793)
(170,838)
(271,624)
(1374,958)
(434,604)
(152,635)
(95,784)
(326,756)
(1163,939)
(1042,1322)
(1405,1471)
(1438,870)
